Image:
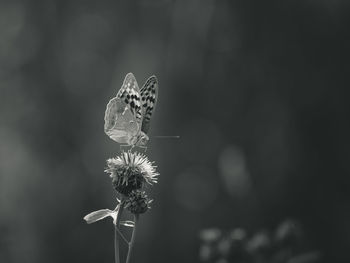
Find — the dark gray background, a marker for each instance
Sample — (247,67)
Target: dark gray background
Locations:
(256,90)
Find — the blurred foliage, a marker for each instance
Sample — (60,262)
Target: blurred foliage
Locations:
(257,90)
(286,244)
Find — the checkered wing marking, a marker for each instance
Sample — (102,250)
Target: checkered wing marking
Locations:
(130,94)
(149,94)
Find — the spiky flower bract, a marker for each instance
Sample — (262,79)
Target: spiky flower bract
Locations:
(137,202)
(130,171)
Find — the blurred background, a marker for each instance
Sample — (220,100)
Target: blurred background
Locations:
(256,90)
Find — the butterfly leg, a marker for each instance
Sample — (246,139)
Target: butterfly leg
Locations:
(123,147)
(144,148)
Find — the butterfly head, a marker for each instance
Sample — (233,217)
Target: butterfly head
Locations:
(139,140)
(142,139)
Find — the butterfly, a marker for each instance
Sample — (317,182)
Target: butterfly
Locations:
(128,115)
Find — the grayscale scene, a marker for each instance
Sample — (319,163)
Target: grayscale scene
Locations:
(168,131)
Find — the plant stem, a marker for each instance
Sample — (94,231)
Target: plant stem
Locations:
(122,236)
(132,241)
(116,230)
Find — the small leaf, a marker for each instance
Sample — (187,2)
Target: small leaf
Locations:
(127,223)
(101,214)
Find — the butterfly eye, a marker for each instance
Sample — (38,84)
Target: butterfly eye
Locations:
(144,139)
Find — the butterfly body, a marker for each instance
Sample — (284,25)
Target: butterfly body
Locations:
(128,115)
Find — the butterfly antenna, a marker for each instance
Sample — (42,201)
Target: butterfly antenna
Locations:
(167,136)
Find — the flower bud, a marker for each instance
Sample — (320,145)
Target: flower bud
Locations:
(137,202)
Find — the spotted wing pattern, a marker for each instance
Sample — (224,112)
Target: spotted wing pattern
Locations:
(149,94)
(130,94)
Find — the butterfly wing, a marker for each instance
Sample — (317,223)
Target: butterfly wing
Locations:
(130,94)
(123,114)
(120,123)
(149,94)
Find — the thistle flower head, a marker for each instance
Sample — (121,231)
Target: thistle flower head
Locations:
(130,170)
(137,202)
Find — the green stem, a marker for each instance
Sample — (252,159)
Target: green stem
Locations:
(116,230)
(123,237)
(132,241)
